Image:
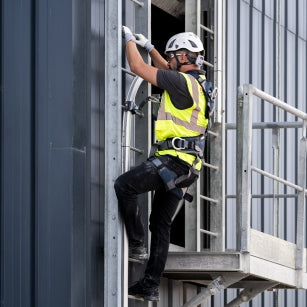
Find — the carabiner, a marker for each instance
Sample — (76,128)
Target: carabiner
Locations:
(214,93)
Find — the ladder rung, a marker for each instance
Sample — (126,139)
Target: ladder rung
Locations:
(208,64)
(132,297)
(136,150)
(136,260)
(215,134)
(208,199)
(210,166)
(129,72)
(210,233)
(140,151)
(206,29)
(138,3)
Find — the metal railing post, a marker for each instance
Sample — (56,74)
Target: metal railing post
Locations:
(300,219)
(276,170)
(244,137)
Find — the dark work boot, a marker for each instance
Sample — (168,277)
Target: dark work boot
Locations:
(141,289)
(138,253)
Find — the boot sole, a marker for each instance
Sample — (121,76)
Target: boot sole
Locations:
(136,260)
(144,297)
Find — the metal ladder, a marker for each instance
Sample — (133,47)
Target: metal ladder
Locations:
(129,110)
(216,135)
(215,131)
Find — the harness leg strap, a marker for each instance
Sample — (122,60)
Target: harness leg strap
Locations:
(171,179)
(168,177)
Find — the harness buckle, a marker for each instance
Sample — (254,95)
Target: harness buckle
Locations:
(179,139)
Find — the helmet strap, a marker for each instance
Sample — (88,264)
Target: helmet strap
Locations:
(178,62)
(191,59)
(199,60)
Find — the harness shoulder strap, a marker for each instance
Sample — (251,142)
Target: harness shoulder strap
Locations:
(207,87)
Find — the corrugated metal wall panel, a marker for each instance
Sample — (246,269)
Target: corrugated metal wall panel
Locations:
(51,248)
(302,21)
(252,57)
(17,140)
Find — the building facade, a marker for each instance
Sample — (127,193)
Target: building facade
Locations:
(63,81)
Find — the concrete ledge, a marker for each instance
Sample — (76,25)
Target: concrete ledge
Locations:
(203,261)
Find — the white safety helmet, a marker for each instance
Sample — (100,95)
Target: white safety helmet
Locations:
(185,40)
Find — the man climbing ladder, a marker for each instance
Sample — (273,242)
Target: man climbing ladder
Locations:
(175,165)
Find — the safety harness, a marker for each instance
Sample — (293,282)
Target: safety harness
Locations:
(191,145)
(206,85)
(208,90)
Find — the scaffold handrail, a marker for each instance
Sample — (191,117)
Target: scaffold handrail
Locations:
(245,168)
(269,125)
(277,102)
(281,180)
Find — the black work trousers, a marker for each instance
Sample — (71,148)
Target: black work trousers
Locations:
(138,180)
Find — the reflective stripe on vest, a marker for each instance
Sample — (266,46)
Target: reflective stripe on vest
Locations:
(189,122)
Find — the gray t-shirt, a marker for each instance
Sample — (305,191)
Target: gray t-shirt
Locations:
(176,85)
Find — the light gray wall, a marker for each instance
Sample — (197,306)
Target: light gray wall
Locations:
(273,58)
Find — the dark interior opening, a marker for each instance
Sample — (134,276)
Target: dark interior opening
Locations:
(163,26)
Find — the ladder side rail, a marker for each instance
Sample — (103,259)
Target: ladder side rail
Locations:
(217,131)
(193,210)
(126,150)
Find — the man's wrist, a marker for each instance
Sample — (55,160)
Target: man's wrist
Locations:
(149,46)
(129,37)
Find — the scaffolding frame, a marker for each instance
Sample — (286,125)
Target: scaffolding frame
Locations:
(255,256)
(245,169)
(248,258)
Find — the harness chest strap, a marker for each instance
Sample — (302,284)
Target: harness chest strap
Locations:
(188,145)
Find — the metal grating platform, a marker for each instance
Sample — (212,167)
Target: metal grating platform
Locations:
(270,260)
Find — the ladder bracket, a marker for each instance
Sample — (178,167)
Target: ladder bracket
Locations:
(214,287)
(218,284)
(132,107)
(249,293)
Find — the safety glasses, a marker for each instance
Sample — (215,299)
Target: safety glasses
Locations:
(172,55)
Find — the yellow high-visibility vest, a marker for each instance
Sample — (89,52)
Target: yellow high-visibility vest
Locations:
(190,122)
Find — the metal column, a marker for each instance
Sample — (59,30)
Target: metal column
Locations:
(112,234)
(244,112)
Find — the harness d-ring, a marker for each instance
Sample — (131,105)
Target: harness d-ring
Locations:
(173,143)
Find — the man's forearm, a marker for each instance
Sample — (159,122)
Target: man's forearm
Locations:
(158,60)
